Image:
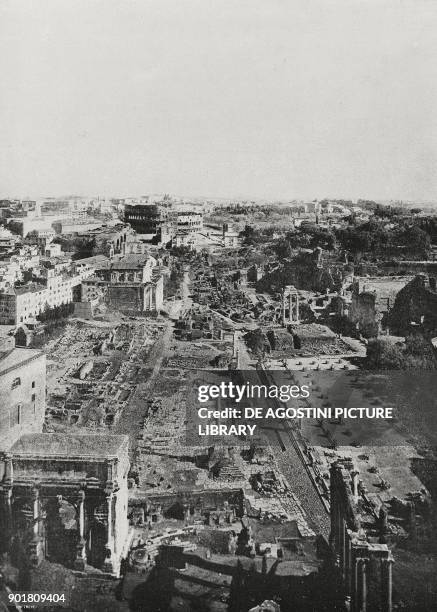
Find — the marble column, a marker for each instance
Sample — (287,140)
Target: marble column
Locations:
(80,561)
(283,310)
(9,471)
(359,589)
(35,500)
(6,514)
(387,584)
(349,567)
(109,560)
(36,552)
(342,547)
(363,585)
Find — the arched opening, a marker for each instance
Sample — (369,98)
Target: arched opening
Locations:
(22,533)
(96,544)
(61,532)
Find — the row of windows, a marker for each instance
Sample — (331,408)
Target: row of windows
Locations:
(17,382)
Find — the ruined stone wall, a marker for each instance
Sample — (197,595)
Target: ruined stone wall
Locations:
(417,301)
(362,311)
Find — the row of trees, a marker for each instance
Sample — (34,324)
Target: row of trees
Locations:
(416,353)
(56,313)
(363,239)
(375,237)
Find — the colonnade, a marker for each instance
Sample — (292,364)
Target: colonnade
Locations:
(290,303)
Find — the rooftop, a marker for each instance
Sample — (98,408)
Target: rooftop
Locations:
(73,446)
(130,261)
(90,261)
(28,288)
(16,357)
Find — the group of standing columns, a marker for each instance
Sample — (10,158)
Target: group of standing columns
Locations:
(81,556)
(360,583)
(290,303)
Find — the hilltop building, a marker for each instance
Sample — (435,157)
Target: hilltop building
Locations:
(131,283)
(58,283)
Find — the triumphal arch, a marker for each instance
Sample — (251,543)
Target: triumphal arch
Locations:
(64,498)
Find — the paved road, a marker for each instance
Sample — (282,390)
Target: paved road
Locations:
(293,469)
(290,464)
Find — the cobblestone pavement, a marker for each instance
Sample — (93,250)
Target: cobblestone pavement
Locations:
(299,481)
(290,465)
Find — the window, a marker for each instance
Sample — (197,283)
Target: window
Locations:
(33,384)
(33,397)
(16,383)
(15,415)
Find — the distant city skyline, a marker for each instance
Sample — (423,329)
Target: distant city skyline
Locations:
(211,198)
(258,100)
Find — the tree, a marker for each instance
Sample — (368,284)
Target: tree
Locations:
(383,354)
(257,342)
(417,240)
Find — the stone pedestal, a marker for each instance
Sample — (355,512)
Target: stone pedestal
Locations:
(36,551)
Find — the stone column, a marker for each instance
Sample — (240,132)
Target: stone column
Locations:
(349,568)
(35,499)
(334,511)
(283,309)
(359,584)
(297,308)
(36,552)
(80,561)
(109,560)
(342,546)
(354,579)
(363,584)
(386,584)
(6,515)
(9,470)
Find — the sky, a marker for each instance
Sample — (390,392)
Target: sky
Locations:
(276,99)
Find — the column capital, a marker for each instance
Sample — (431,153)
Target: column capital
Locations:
(387,561)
